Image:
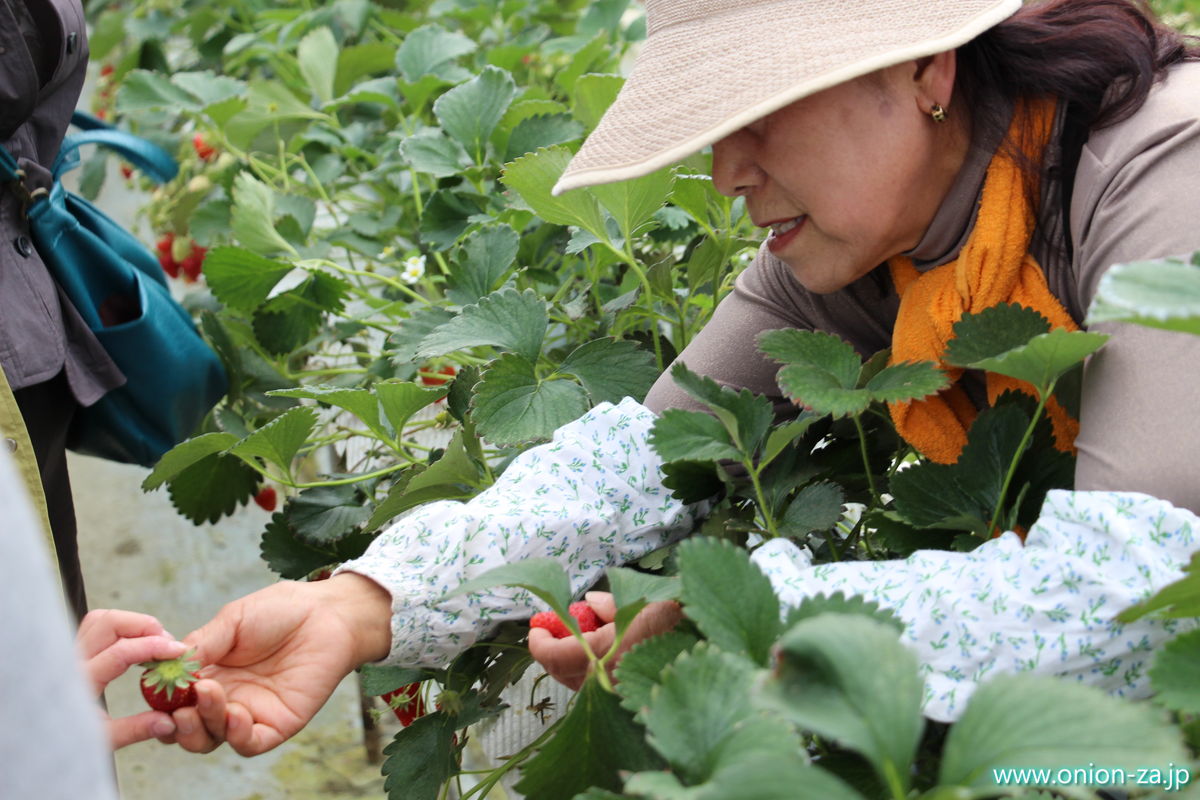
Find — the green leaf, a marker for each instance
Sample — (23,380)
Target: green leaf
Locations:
(423,756)
(358,61)
(534,175)
(280,439)
(512,405)
(640,670)
(848,677)
(432,153)
(545,578)
(1046,358)
(402,399)
(838,603)
(1027,721)
(287,556)
(317,55)
(817,507)
(183,455)
(633,202)
(611,370)
(745,415)
(1178,599)
(756,776)
(1173,675)
(508,319)
(142,90)
(628,586)
(729,598)
(291,318)
(692,481)
(254,217)
(546,130)
(592,96)
(377,679)
(447,216)
(324,514)
(1161,294)
(209,87)
(596,742)
(701,703)
(241,279)
(212,487)
(429,50)
(471,111)
(400,498)
(679,435)
(359,402)
(820,371)
(404,343)
(784,435)
(993,332)
(454,467)
(487,256)
(909,381)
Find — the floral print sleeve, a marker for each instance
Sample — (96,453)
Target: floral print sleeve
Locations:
(1047,606)
(591,498)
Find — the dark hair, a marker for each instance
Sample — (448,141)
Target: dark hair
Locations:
(1098,57)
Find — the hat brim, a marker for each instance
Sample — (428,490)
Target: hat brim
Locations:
(695,82)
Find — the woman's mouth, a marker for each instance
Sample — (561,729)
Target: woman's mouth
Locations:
(783,232)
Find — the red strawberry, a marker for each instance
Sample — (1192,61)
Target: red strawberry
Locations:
(433,379)
(107,70)
(165,243)
(168,685)
(169,265)
(266,498)
(203,148)
(406,703)
(126,171)
(192,265)
(101,114)
(581,611)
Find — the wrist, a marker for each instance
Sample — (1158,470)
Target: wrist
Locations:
(366,609)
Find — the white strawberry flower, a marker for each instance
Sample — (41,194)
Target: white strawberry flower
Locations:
(414,269)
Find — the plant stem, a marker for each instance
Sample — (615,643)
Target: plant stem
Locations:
(1043,395)
(761,498)
(862,446)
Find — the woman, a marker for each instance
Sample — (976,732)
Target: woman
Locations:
(983,151)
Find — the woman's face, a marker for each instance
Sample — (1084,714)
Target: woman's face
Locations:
(845,178)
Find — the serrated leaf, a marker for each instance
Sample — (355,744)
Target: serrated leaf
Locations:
(377,679)
(545,578)
(317,57)
(629,585)
(359,402)
(432,153)
(241,279)
(404,343)
(286,555)
(358,61)
(784,435)
(611,370)
(254,217)
(1028,721)
(487,256)
(290,319)
(592,95)
(992,332)
(817,507)
(183,455)
(820,371)
(729,598)
(692,481)
(908,381)
(454,467)
(534,175)
(447,216)
(847,677)
(142,90)
(641,668)
(545,130)
(324,514)
(633,202)
(429,50)
(280,439)
(1160,294)
(400,498)
(512,405)
(471,111)
(402,399)
(679,435)
(1178,599)
(595,743)
(745,415)
(508,319)
(838,603)
(212,487)
(423,756)
(1173,675)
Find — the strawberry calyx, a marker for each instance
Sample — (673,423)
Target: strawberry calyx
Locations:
(406,703)
(170,676)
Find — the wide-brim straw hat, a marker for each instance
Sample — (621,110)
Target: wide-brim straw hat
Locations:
(711,67)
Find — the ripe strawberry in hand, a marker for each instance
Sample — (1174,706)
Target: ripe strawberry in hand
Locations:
(581,611)
(265,497)
(406,703)
(168,685)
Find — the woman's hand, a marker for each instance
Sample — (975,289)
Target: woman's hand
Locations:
(111,642)
(565,660)
(274,657)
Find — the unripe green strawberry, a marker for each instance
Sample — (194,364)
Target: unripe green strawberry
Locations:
(168,685)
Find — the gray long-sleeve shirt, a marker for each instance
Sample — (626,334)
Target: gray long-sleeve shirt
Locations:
(1133,198)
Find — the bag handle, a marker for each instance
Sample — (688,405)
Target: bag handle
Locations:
(148,157)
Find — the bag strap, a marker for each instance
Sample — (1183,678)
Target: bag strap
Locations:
(9,170)
(148,157)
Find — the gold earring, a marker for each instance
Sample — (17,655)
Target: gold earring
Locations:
(938,113)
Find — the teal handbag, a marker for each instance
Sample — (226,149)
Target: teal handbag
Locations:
(173,378)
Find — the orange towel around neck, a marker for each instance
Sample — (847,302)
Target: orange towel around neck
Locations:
(994,267)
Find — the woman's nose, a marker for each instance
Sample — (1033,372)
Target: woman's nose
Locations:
(734,169)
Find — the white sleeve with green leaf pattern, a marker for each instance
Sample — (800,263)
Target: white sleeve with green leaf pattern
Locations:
(1045,607)
(590,498)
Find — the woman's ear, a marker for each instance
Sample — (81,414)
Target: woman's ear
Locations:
(933,79)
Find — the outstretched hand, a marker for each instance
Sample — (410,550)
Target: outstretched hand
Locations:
(565,660)
(274,657)
(110,642)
